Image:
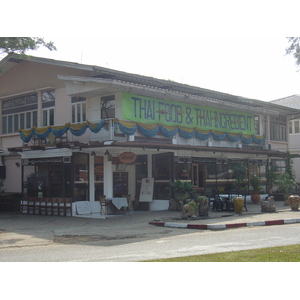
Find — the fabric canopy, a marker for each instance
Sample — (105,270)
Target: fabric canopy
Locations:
(129,128)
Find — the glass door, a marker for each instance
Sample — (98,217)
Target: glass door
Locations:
(162,172)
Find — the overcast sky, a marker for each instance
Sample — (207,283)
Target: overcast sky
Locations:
(236,47)
(251,67)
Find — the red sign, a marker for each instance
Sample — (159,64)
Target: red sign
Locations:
(127,157)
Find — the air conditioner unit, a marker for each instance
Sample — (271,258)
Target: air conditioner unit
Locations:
(240,146)
(209,144)
(131,138)
(266,146)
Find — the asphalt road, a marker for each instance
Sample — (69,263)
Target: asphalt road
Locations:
(163,243)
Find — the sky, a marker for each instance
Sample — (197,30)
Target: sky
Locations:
(235,47)
(251,67)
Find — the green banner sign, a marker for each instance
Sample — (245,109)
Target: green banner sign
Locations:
(171,113)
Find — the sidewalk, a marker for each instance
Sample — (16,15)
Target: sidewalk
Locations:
(226,220)
(21,230)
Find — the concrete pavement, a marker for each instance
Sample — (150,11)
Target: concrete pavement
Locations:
(20,230)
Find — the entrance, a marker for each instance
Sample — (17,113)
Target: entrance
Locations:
(198,175)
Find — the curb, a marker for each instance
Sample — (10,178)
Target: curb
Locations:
(225,226)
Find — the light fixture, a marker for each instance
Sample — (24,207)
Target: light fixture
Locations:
(108,155)
(93,154)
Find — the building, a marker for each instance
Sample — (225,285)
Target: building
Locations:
(294,130)
(81,131)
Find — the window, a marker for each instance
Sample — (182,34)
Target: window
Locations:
(48,96)
(296,127)
(108,107)
(81,168)
(19,101)
(19,113)
(290,127)
(256,125)
(48,117)
(14,122)
(278,128)
(78,109)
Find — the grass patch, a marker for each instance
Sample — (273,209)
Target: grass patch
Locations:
(272,254)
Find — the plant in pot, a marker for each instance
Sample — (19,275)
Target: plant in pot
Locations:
(182,191)
(255,182)
(285,185)
(190,209)
(240,173)
(203,205)
(271,177)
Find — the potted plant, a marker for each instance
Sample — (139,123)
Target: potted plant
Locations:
(271,177)
(189,209)
(194,207)
(240,173)
(285,185)
(255,182)
(203,205)
(182,191)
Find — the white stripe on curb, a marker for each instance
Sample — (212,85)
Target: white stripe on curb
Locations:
(262,223)
(178,225)
(216,226)
(290,221)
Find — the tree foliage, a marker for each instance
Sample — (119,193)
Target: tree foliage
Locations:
(22,44)
(294,48)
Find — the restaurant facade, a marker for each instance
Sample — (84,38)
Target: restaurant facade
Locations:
(78,131)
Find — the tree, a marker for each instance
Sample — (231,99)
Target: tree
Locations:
(22,44)
(294,48)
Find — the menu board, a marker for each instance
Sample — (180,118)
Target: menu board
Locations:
(83,207)
(146,194)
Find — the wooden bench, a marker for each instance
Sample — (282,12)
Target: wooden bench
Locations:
(51,206)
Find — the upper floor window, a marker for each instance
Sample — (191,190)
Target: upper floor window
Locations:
(19,101)
(108,107)
(19,113)
(294,127)
(278,128)
(13,122)
(48,104)
(290,127)
(256,125)
(78,109)
(48,117)
(48,96)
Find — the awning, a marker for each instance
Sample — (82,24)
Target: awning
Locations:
(61,152)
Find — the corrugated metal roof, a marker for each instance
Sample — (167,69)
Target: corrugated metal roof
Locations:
(291,101)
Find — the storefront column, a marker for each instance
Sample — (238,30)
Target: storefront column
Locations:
(108,175)
(40,110)
(92,179)
(149,164)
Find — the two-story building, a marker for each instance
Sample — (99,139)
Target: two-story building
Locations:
(293,130)
(81,131)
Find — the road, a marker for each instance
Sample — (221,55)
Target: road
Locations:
(173,242)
